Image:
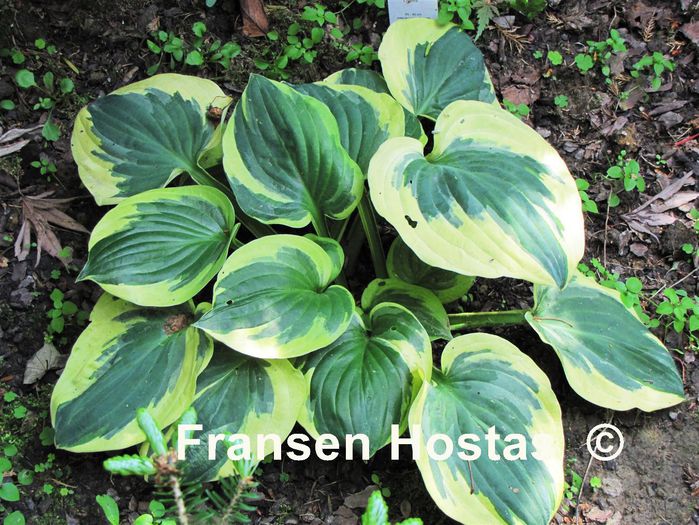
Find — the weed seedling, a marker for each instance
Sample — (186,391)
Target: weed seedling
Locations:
(657,64)
(628,171)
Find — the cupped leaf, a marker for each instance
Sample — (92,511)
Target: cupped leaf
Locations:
(274,299)
(403,264)
(420,301)
(492,199)
(372,80)
(284,158)
(128,358)
(364,382)
(487,383)
(365,119)
(143,135)
(427,66)
(238,394)
(609,357)
(161,247)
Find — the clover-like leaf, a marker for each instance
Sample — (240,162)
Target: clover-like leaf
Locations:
(274,298)
(420,301)
(143,135)
(427,66)
(238,394)
(161,247)
(403,264)
(517,477)
(364,382)
(284,158)
(128,358)
(492,199)
(608,355)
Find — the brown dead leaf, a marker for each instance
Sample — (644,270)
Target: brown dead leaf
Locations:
(598,515)
(46,358)
(10,140)
(40,214)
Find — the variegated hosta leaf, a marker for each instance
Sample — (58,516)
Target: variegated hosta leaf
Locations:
(238,394)
(161,247)
(487,382)
(609,357)
(365,381)
(143,135)
(403,264)
(365,119)
(492,199)
(372,80)
(420,301)
(128,358)
(284,158)
(427,66)
(273,298)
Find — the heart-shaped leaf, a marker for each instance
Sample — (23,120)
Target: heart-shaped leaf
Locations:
(273,298)
(161,247)
(403,264)
(284,158)
(143,135)
(427,66)
(487,386)
(364,382)
(420,301)
(128,358)
(608,356)
(492,199)
(238,394)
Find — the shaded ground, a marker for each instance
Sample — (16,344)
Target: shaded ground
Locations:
(648,484)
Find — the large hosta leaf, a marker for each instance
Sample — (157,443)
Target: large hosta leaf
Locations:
(143,135)
(284,157)
(420,301)
(128,358)
(365,381)
(161,247)
(487,382)
(427,66)
(608,355)
(492,198)
(372,80)
(403,264)
(365,119)
(238,394)
(273,298)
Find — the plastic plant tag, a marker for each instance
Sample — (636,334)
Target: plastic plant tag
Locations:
(399,9)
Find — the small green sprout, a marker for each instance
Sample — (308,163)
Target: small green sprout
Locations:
(561,101)
(628,171)
(555,58)
(588,204)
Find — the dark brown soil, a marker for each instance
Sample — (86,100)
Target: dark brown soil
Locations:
(648,484)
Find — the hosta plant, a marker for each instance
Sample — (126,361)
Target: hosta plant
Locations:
(242,292)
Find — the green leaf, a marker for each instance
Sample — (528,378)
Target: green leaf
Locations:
(284,158)
(492,199)
(25,79)
(109,506)
(161,247)
(584,62)
(419,301)
(403,264)
(274,299)
(486,383)
(365,381)
(128,358)
(143,135)
(9,492)
(555,58)
(237,394)
(608,355)
(199,28)
(376,510)
(66,85)
(427,66)
(14,518)
(194,58)
(51,131)
(7,105)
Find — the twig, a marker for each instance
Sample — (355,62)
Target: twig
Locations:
(684,141)
(673,284)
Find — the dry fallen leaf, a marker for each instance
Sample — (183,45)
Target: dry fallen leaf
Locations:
(47,358)
(40,213)
(9,141)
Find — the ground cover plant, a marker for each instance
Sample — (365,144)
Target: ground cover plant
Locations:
(281,338)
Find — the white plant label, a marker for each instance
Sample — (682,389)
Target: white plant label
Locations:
(398,9)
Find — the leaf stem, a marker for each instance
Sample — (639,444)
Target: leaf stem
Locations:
(321,228)
(466,320)
(371,230)
(201,176)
